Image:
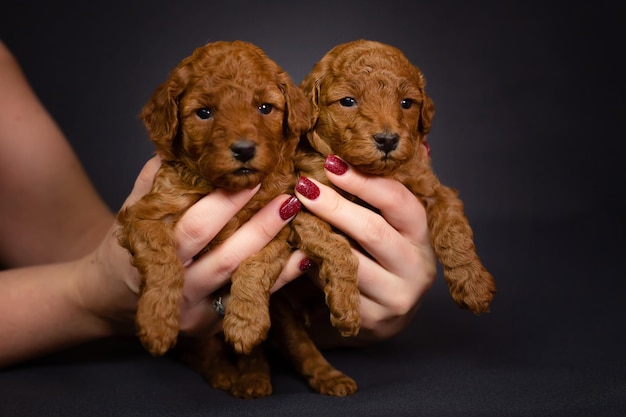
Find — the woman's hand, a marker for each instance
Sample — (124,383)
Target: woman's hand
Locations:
(203,276)
(402,266)
(210,272)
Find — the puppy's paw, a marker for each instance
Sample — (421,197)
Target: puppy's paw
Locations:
(157,336)
(476,291)
(223,378)
(484,291)
(345,313)
(156,342)
(157,320)
(335,384)
(245,325)
(347,324)
(252,385)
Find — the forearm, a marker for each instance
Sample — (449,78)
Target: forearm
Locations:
(55,214)
(43,311)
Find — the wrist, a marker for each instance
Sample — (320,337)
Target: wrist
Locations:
(109,305)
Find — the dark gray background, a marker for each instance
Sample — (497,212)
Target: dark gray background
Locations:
(526,93)
(529,121)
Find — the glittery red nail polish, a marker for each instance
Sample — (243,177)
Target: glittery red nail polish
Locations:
(289,208)
(306,264)
(335,165)
(307,188)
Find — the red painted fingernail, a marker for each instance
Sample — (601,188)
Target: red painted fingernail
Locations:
(427,146)
(335,165)
(289,208)
(307,188)
(306,264)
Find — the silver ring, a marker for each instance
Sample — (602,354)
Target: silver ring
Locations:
(218,306)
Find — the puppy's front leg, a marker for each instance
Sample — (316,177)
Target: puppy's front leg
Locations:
(154,254)
(148,234)
(337,269)
(247,318)
(470,284)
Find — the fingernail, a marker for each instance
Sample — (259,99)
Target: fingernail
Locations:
(427,146)
(335,165)
(306,264)
(307,188)
(289,208)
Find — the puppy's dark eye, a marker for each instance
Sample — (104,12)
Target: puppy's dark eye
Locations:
(347,102)
(204,113)
(266,108)
(406,103)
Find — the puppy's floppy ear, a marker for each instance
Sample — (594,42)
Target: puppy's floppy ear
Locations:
(427,112)
(297,109)
(319,144)
(310,86)
(160,114)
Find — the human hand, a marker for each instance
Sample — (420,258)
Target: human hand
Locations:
(204,275)
(402,266)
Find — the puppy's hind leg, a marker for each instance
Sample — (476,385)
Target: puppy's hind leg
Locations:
(254,375)
(212,358)
(470,284)
(209,357)
(289,332)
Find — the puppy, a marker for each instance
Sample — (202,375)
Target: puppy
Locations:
(227,117)
(371,109)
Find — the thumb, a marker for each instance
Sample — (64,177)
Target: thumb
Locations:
(144,180)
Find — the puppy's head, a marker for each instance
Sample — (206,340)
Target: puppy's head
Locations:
(369,106)
(229,112)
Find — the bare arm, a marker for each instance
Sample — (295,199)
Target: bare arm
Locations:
(50,210)
(49,307)
(43,310)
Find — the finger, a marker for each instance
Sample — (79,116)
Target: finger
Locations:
(382,315)
(378,322)
(144,180)
(387,301)
(388,289)
(368,228)
(203,221)
(212,270)
(201,317)
(372,313)
(293,269)
(396,203)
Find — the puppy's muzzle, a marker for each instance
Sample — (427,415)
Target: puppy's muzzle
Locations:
(386,142)
(243,150)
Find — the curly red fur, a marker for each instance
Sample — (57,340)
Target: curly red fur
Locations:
(230,80)
(382,134)
(200,120)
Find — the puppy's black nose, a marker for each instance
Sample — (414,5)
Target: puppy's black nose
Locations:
(386,142)
(243,150)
